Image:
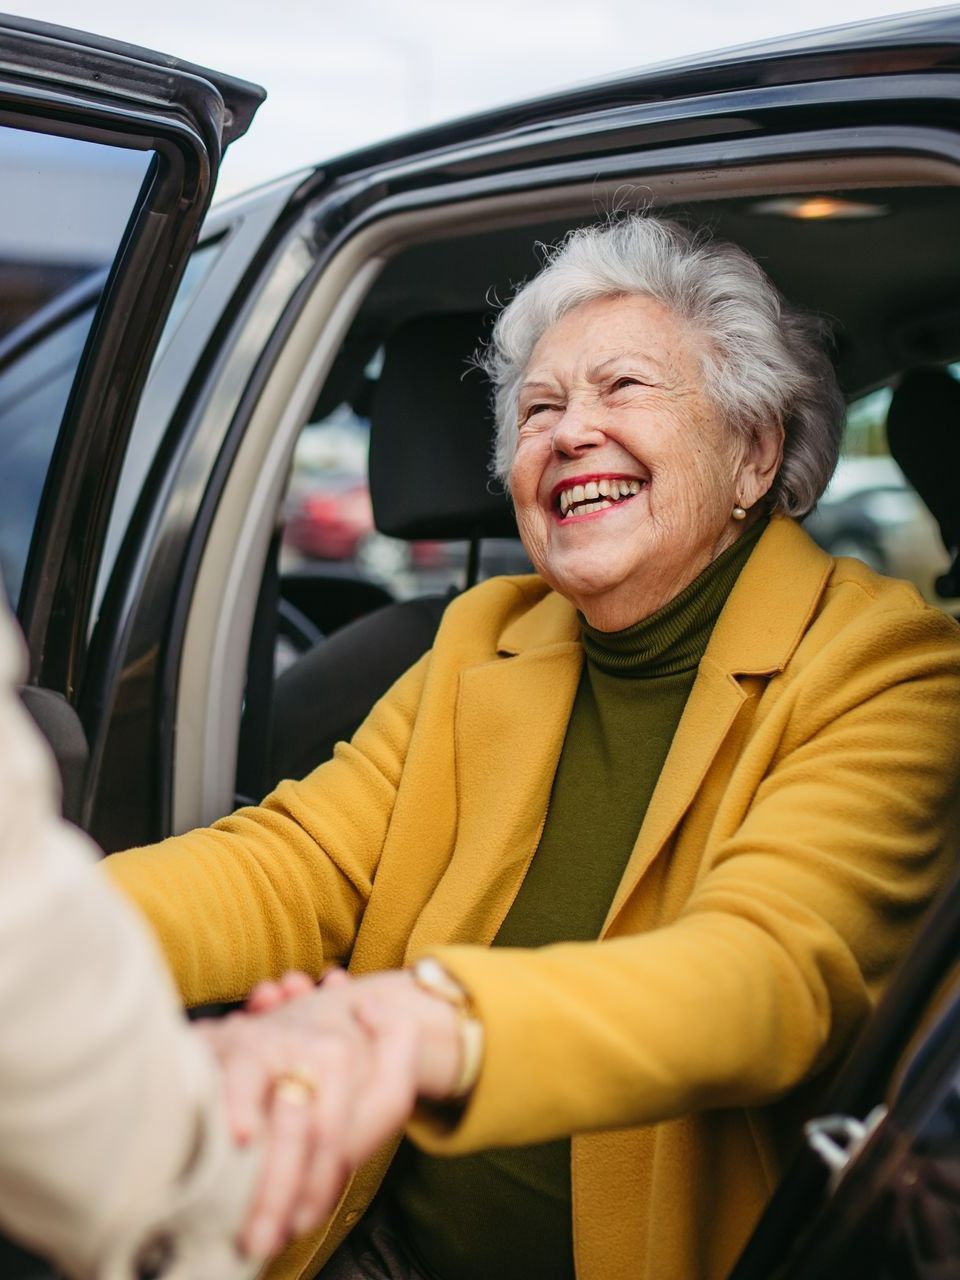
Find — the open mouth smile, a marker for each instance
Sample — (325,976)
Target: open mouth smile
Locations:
(588,495)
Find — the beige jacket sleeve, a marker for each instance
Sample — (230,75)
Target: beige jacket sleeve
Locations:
(113,1150)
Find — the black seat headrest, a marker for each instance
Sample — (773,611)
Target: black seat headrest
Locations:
(431,436)
(923,432)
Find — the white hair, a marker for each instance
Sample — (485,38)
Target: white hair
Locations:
(763,361)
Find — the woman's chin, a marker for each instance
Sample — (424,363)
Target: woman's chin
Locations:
(585,583)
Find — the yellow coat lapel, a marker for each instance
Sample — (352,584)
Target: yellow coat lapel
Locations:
(512,715)
(758,630)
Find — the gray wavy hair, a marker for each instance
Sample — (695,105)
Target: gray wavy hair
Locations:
(763,361)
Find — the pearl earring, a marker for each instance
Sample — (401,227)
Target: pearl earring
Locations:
(738,512)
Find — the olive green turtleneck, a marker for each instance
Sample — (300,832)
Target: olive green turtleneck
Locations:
(506,1213)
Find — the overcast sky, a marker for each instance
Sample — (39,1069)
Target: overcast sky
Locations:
(341,73)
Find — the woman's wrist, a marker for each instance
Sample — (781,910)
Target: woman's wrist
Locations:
(454,1062)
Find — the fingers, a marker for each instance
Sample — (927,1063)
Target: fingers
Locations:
(245,1080)
(263,997)
(391,1091)
(365,1099)
(281,1176)
(305,1164)
(360,1057)
(344,1072)
(295,983)
(269,995)
(245,1072)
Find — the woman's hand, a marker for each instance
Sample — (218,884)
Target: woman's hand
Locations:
(367,1047)
(394,992)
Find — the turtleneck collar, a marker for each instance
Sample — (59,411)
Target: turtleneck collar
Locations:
(674,638)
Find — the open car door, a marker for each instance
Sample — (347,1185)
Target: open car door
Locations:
(109,154)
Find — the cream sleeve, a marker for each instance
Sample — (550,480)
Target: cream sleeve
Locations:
(113,1150)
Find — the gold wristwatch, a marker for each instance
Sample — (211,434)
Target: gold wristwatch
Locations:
(430,976)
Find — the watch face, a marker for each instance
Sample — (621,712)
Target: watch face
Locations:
(431,976)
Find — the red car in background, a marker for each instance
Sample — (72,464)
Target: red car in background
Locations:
(330,523)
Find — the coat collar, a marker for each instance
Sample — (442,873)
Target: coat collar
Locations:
(759,628)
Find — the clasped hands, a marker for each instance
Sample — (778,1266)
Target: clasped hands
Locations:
(325,1075)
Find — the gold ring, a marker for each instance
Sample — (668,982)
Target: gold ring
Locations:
(296,1085)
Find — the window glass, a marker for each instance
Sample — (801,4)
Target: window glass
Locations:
(328,520)
(872,512)
(65,208)
(149,425)
(335,563)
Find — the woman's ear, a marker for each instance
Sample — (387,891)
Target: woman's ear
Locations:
(760,465)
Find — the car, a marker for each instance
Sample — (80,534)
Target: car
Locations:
(159,366)
(871,511)
(328,514)
(332,522)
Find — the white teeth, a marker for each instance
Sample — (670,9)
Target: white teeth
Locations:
(585,496)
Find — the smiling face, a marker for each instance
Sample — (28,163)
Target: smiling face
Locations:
(624,478)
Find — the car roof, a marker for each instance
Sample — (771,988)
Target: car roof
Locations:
(926,40)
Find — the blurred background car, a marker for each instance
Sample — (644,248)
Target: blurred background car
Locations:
(870,511)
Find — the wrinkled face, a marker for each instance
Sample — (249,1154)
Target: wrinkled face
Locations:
(624,479)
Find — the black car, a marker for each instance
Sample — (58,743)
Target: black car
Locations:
(158,365)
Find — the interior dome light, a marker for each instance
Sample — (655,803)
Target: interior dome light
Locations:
(819,207)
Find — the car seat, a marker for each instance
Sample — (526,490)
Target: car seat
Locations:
(923,433)
(431,439)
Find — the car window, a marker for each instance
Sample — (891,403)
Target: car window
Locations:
(149,426)
(66,206)
(871,511)
(328,518)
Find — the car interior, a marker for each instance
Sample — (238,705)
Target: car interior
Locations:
(874,261)
(871,261)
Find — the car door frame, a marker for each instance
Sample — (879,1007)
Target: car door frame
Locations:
(68,83)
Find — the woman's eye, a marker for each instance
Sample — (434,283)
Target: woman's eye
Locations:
(539,408)
(620,383)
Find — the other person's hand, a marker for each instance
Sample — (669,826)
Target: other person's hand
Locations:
(324,1087)
(327,1074)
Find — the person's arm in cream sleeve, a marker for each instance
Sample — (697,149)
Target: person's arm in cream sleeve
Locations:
(113,1148)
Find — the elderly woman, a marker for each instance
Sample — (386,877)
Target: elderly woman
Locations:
(639,842)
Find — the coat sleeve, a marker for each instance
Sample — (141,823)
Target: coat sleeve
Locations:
(283,885)
(790,935)
(111,1136)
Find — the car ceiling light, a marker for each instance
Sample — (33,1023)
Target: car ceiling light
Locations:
(818,208)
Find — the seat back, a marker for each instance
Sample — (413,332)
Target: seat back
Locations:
(431,436)
(923,433)
(431,440)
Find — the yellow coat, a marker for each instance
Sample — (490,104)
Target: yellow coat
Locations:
(804,819)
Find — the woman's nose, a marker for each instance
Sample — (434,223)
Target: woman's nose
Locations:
(578,430)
